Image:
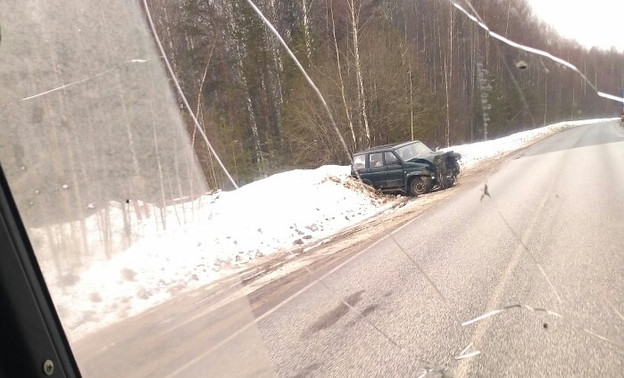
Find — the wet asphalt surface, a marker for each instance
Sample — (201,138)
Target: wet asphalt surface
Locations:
(547,244)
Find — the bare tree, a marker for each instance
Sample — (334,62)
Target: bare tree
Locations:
(341,79)
(355,20)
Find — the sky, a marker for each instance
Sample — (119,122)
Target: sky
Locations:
(597,23)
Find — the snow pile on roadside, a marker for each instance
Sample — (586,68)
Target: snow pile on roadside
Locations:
(284,211)
(288,209)
(473,153)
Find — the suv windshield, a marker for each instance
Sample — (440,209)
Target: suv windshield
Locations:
(413,150)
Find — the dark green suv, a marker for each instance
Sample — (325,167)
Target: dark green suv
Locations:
(409,167)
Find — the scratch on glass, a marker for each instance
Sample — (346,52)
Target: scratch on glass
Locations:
(463,355)
(524,246)
(307,77)
(548,312)
(476,19)
(89,78)
(183,97)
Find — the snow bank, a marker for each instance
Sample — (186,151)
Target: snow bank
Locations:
(287,210)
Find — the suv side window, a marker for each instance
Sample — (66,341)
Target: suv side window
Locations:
(359,162)
(375,160)
(391,158)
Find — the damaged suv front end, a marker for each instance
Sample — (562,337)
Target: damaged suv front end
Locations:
(409,167)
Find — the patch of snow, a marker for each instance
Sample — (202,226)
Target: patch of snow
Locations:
(224,232)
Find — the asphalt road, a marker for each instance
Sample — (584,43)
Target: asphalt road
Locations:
(549,236)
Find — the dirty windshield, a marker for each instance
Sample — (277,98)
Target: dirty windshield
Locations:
(413,150)
(183,170)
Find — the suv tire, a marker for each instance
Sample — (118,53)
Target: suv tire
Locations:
(418,186)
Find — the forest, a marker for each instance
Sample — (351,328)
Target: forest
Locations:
(390,71)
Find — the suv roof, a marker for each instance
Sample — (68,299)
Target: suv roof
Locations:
(385,147)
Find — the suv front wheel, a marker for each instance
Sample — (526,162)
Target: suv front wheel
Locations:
(418,185)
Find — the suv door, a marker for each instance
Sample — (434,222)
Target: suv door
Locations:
(394,170)
(376,170)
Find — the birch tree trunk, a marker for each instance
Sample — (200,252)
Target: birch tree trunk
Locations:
(279,70)
(306,30)
(358,69)
(448,107)
(411,83)
(448,79)
(341,79)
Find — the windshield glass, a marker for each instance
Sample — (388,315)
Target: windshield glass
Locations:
(185,170)
(413,150)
